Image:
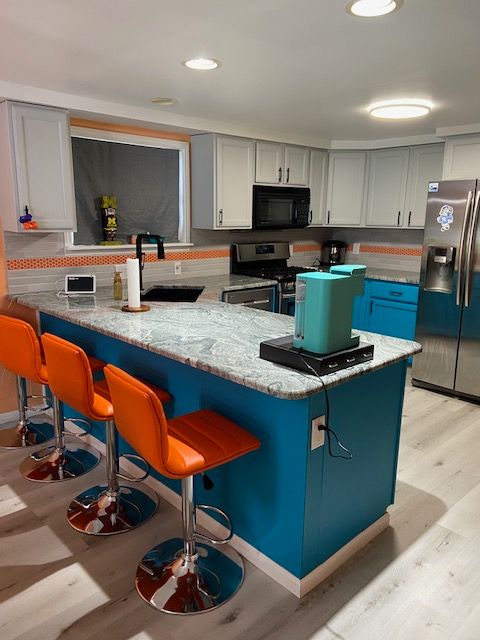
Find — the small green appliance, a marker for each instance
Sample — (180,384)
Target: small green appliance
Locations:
(324,308)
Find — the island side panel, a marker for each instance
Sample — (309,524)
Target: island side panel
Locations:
(264,491)
(344,497)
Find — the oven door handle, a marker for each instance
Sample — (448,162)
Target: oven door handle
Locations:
(287,296)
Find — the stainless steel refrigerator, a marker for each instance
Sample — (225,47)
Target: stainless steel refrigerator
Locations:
(448,320)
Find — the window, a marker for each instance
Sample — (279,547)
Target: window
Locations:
(148,177)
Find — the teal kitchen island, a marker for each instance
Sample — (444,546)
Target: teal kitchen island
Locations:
(298,510)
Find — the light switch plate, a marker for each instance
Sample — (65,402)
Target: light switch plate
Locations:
(318,435)
(356,248)
(177,268)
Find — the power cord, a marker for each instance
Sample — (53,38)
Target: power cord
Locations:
(328,431)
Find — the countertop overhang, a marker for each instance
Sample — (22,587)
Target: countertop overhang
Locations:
(219,338)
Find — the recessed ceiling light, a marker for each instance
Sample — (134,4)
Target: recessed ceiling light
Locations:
(400,109)
(372,8)
(166,102)
(202,64)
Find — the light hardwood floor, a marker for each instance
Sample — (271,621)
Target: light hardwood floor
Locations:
(418,580)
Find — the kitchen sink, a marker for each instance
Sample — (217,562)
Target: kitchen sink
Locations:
(171,293)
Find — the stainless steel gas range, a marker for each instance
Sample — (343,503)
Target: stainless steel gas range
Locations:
(269,260)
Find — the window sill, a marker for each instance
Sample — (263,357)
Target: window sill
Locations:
(123,248)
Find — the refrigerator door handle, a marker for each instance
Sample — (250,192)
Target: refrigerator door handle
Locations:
(471,251)
(462,248)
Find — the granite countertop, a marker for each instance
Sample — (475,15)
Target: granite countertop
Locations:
(393,275)
(220,338)
(214,285)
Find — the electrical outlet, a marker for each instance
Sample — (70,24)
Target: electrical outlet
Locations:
(122,269)
(318,435)
(177,268)
(356,248)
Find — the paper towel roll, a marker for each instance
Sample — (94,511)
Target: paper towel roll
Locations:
(133,283)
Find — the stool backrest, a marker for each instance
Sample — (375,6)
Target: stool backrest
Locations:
(20,349)
(139,417)
(69,373)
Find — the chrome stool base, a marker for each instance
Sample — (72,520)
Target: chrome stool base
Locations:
(169,580)
(25,435)
(99,512)
(53,465)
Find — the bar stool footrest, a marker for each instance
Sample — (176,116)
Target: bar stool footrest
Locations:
(226,517)
(42,408)
(130,478)
(79,421)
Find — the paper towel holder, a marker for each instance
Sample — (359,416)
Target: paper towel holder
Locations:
(141,308)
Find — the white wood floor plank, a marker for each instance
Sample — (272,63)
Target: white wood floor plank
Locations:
(418,580)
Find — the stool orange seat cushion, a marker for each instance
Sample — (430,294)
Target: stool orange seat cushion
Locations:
(181,447)
(71,379)
(20,350)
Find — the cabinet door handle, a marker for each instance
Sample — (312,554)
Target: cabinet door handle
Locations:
(288,174)
(220,217)
(409,217)
(398,294)
(328,217)
(398,219)
(310,216)
(279,174)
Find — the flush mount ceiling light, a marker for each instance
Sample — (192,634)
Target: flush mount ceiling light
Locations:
(400,109)
(202,64)
(166,102)
(372,8)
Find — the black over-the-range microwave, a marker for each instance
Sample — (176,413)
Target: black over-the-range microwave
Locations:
(280,207)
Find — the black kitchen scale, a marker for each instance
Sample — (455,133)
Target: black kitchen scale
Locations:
(281,351)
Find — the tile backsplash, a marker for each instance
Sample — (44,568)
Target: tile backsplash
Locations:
(39,262)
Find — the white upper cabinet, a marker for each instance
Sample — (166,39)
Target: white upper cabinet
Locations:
(462,158)
(269,162)
(318,186)
(425,166)
(346,181)
(387,185)
(36,167)
(297,161)
(222,182)
(234,182)
(281,164)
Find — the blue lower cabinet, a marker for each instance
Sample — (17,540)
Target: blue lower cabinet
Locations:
(388,308)
(389,318)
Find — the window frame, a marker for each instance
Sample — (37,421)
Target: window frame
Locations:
(184,213)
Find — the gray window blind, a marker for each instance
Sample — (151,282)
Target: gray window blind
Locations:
(145,181)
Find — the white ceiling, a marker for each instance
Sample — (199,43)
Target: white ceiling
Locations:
(303,67)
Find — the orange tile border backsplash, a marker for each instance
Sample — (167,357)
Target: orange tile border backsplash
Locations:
(58,262)
(395,251)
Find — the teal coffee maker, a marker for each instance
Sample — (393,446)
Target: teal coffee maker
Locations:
(324,308)
(323,342)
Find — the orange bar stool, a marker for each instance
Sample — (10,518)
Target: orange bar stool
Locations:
(21,355)
(181,576)
(103,509)
(20,352)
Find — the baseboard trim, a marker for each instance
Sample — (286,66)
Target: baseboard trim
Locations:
(299,587)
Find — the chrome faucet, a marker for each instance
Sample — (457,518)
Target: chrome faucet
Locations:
(141,256)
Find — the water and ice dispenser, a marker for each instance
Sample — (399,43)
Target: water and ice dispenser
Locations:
(440,269)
